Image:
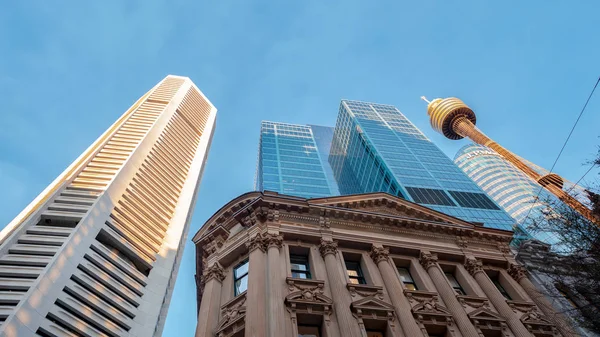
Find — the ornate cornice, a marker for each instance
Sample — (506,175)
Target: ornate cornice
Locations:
(328,247)
(379,254)
(428,260)
(473,266)
(213,272)
(516,271)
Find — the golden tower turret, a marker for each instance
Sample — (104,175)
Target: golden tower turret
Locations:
(455,120)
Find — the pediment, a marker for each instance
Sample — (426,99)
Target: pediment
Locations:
(383,203)
(372,303)
(429,308)
(485,315)
(535,318)
(308,296)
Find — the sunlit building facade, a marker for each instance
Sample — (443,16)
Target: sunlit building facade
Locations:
(376,148)
(292,159)
(97,252)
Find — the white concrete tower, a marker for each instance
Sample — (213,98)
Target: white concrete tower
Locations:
(97,252)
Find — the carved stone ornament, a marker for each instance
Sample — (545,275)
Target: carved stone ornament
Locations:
(233,316)
(328,247)
(379,254)
(517,272)
(274,240)
(461,242)
(257,241)
(428,260)
(324,222)
(504,248)
(268,214)
(213,272)
(473,266)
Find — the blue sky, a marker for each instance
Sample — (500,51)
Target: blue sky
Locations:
(70,69)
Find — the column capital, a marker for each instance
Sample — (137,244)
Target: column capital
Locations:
(428,259)
(215,271)
(379,254)
(257,241)
(328,247)
(517,271)
(473,266)
(274,240)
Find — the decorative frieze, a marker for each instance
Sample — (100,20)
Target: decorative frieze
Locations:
(365,290)
(428,260)
(379,254)
(328,247)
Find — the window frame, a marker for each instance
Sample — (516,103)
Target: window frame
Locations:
(235,279)
(360,278)
(501,289)
(457,289)
(303,260)
(413,283)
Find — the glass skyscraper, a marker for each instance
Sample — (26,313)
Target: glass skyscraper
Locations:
(510,187)
(292,159)
(376,148)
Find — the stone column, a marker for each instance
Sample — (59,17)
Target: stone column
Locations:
(275,282)
(429,262)
(519,273)
(208,315)
(340,296)
(256,306)
(474,267)
(395,289)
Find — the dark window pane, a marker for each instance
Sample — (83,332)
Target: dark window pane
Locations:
(473,200)
(430,196)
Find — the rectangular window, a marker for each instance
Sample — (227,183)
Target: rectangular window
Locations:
(308,331)
(501,289)
(454,283)
(430,196)
(406,278)
(355,273)
(240,278)
(299,266)
(473,200)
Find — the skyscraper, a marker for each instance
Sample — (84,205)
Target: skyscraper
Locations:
(97,252)
(515,192)
(376,148)
(292,159)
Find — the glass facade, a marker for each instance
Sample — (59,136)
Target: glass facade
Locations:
(375,148)
(509,187)
(292,160)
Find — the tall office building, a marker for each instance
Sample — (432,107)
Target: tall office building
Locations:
(97,252)
(520,196)
(376,148)
(292,159)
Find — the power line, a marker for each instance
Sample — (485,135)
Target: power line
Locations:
(564,145)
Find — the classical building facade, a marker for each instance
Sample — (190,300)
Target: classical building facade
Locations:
(97,252)
(369,265)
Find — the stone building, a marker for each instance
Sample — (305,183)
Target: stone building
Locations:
(368,265)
